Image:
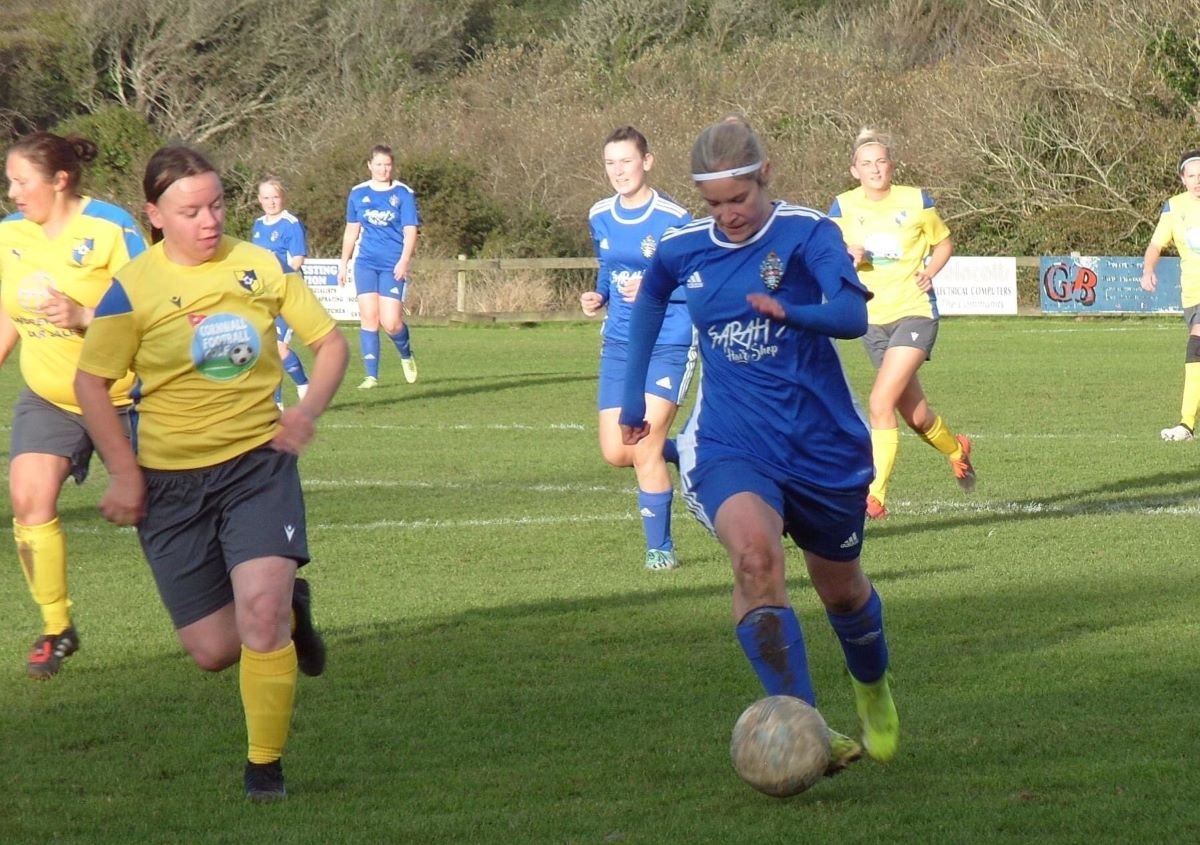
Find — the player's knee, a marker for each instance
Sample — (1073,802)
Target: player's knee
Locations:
(882,408)
(756,562)
(31,506)
(391,326)
(1193,349)
(617,454)
(212,657)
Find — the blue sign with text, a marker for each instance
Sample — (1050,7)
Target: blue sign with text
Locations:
(1086,284)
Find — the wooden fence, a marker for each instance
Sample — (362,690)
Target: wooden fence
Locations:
(462,265)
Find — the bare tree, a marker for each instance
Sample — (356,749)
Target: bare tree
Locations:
(200,71)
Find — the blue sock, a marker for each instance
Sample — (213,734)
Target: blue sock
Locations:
(863,641)
(774,643)
(656,518)
(368,342)
(671,452)
(400,339)
(293,367)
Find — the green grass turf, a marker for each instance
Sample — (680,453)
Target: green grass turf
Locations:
(502,669)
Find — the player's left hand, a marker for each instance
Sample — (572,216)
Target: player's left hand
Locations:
(924,280)
(400,271)
(295,431)
(767,305)
(629,287)
(64,312)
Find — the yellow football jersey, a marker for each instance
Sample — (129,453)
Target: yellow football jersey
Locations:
(80,263)
(896,233)
(201,341)
(1179,223)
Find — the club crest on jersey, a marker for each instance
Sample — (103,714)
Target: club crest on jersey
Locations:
(394,201)
(604,243)
(82,249)
(274,236)
(772,271)
(649,245)
(249,280)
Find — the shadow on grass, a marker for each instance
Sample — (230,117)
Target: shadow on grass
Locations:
(418,392)
(584,719)
(1110,498)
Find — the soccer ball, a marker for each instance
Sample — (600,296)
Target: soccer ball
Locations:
(240,353)
(780,745)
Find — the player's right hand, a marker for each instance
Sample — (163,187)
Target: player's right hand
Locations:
(631,435)
(591,303)
(1149,282)
(124,502)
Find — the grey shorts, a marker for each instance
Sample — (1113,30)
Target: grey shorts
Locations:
(1191,315)
(201,523)
(917,332)
(43,428)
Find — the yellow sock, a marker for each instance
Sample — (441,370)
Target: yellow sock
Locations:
(268,684)
(940,437)
(42,550)
(1191,394)
(885,443)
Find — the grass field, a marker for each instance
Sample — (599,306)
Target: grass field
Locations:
(502,669)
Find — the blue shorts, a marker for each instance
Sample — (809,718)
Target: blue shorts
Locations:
(283,332)
(669,376)
(825,522)
(370,280)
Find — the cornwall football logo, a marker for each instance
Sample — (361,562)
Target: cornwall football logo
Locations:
(772,271)
(249,280)
(82,249)
(223,346)
(649,245)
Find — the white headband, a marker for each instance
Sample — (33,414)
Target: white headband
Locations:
(1187,161)
(727,174)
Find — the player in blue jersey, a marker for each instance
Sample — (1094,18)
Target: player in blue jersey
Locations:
(381,234)
(58,253)
(626,228)
(281,232)
(776,444)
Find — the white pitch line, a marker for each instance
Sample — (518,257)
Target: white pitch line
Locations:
(1146,507)
(355,483)
(458,427)
(901,508)
(457,524)
(1096,329)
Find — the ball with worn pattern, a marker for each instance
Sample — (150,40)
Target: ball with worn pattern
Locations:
(780,745)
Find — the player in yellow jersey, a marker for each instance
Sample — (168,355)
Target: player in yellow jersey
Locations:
(899,244)
(58,252)
(214,488)
(1179,223)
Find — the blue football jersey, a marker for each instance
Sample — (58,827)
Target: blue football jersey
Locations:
(766,388)
(625,240)
(383,215)
(285,237)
